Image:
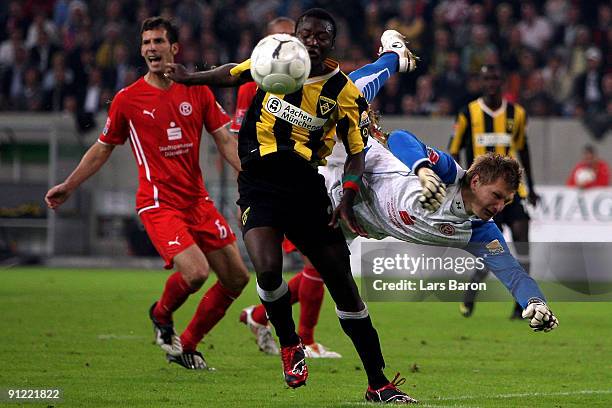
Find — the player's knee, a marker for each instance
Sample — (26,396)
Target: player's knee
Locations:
(269,280)
(197,276)
(239,279)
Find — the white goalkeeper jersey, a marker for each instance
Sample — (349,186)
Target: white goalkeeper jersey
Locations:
(388,206)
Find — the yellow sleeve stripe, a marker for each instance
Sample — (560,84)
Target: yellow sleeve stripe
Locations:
(460,127)
(520,120)
(240,68)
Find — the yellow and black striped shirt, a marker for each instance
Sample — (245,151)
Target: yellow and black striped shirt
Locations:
(479,130)
(305,121)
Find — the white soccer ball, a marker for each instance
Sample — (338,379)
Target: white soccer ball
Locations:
(280,64)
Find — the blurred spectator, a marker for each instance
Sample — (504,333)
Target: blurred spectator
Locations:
(556,11)
(106,50)
(451,82)
(32,96)
(41,24)
(425,96)
(535,99)
(41,53)
(504,16)
(390,98)
(568,31)
(442,46)
(409,23)
(589,172)
(577,56)
(13,79)
(588,87)
(604,24)
(536,30)
(190,12)
(511,51)
(517,80)
(115,77)
(474,55)
(599,122)
(57,84)
(556,80)
(9,46)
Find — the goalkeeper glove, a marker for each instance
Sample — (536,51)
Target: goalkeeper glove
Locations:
(434,190)
(541,318)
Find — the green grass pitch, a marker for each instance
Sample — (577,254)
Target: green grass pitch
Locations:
(87,332)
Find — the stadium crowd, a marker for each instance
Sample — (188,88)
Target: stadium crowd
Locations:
(74,55)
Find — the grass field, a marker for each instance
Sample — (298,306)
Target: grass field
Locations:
(87,332)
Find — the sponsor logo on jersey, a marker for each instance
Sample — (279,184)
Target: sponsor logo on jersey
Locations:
(447,229)
(326,105)
(174,133)
(433,156)
(150,113)
(185,108)
(493,139)
(292,114)
(406,218)
(106,126)
(495,247)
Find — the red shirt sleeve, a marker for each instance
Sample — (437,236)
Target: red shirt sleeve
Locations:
(116,130)
(246,93)
(214,115)
(603,174)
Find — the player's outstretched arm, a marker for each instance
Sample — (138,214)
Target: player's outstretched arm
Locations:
(353,170)
(219,76)
(488,244)
(227,145)
(91,162)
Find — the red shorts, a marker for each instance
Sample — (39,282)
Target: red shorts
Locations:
(288,246)
(172,231)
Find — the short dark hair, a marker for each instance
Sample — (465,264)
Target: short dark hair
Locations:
(491,166)
(152,23)
(320,14)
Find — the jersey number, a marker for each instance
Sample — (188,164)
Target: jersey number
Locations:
(222,229)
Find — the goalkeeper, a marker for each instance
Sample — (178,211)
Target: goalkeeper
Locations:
(446,206)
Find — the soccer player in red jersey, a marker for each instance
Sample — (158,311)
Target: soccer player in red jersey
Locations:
(306,286)
(163,121)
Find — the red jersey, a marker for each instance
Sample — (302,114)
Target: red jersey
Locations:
(585,175)
(246,93)
(165,130)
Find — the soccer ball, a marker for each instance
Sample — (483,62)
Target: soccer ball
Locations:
(280,64)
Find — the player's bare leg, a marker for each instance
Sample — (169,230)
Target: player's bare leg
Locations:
(193,269)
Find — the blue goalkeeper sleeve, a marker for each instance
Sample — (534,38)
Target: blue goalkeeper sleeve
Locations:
(370,78)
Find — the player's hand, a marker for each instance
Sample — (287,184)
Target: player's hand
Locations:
(345,212)
(533,198)
(541,318)
(177,73)
(57,195)
(433,189)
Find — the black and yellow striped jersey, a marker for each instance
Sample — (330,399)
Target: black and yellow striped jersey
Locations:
(305,121)
(479,130)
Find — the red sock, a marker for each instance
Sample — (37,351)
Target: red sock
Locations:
(311,298)
(175,293)
(259,313)
(211,309)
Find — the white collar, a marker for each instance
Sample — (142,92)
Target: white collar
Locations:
(488,110)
